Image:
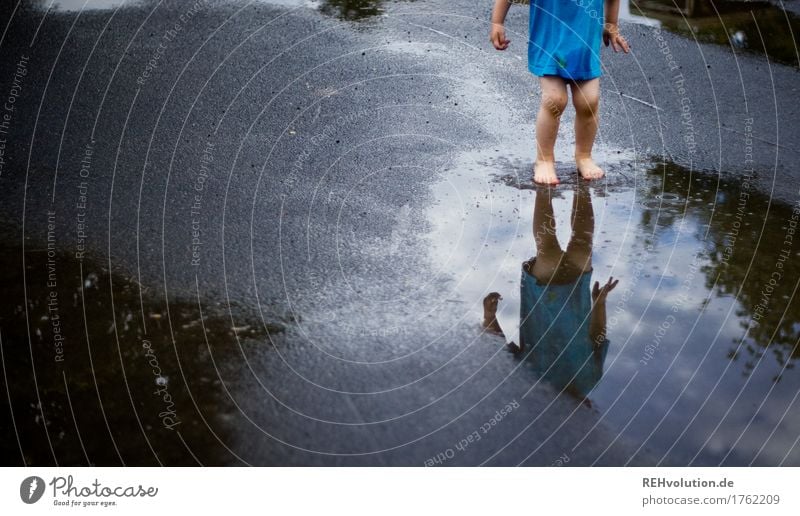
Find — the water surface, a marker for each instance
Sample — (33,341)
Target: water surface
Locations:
(705,321)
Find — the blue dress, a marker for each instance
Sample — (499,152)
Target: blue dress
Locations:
(565,38)
(554,331)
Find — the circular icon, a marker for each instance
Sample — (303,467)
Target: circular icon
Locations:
(31,489)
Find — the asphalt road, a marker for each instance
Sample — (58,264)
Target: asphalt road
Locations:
(281,161)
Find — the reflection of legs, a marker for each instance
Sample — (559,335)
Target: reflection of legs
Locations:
(548,250)
(579,249)
(554,100)
(586,99)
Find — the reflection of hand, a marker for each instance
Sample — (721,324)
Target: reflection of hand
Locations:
(490,304)
(600,293)
(490,313)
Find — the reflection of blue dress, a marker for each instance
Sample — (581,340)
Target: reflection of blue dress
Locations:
(554,330)
(565,38)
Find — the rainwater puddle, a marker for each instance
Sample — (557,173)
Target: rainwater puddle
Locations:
(757,27)
(142,381)
(342,9)
(703,326)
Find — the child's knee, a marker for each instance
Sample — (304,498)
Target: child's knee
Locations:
(555,103)
(586,104)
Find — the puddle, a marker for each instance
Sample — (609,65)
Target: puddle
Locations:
(703,325)
(342,9)
(113,386)
(351,9)
(757,27)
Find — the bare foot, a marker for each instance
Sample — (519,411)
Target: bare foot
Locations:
(544,172)
(588,168)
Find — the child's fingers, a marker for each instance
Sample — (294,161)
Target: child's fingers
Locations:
(499,41)
(622,43)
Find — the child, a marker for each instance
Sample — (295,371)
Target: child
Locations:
(564,48)
(562,319)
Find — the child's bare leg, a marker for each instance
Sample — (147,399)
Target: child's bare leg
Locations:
(554,101)
(548,250)
(579,249)
(586,99)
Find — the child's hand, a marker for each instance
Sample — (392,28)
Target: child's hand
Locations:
(611,36)
(498,36)
(600,293)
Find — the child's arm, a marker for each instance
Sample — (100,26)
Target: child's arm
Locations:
(490,320)
(597,322)
(497,34)
(611,33)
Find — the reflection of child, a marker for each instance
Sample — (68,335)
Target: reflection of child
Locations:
(564,48)
(557,323)
(562,327)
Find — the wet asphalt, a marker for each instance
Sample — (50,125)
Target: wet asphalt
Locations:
(274,165)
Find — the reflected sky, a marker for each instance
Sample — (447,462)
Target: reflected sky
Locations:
(703,326)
